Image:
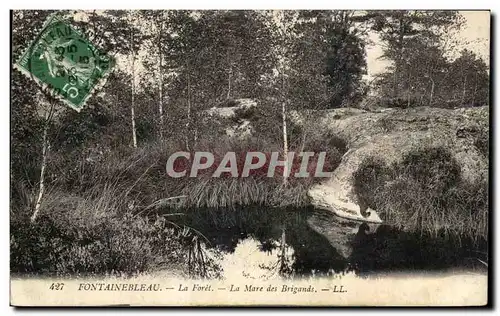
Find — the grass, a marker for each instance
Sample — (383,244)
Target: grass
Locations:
(96,234)
(93,217)
(96,217)
(141,174)
(425,192)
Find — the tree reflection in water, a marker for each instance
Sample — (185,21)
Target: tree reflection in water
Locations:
(258,242)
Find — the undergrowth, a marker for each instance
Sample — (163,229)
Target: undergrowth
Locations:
(94,218)
(425,192)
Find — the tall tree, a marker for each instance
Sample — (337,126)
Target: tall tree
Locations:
(283,36)
(397,27)
(158,20)
(472,74)
(422,72)
(179,49)
(329,59)
(42,101)
(118,33)
(216,56)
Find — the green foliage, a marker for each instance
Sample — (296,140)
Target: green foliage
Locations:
(145,130)
(472,80)
(25,132)
(78,129)
(241,114)
(370,176)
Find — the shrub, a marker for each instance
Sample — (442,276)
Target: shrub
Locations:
(229,103)
(425,192)
(75,235)
(482,143)
(245,113)
(369,179)
(398,102)
(91,220)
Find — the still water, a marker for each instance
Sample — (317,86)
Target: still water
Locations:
(259,242)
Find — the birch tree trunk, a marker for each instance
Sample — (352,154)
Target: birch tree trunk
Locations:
(432,92)
(188,108)
(285,136)
(132,109)
(45,153)
(283,250)
(409,91)
(160,80)
(464,90)
(399,59)
(475,91)
(283,105)
(229,82)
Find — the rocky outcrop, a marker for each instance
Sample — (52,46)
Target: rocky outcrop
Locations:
(388,134)
(240,128)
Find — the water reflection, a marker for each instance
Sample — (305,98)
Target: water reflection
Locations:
(263,243)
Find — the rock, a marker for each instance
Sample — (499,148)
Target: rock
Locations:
(242,129)
(331,197)
(229,112)
(389,135)
(339,232)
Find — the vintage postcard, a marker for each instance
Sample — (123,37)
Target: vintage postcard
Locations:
(249,158)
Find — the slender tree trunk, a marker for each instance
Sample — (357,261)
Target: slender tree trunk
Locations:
(432,92)
(409,91)
(195,137)
(285,135)
(188,108)
(464,90)
(399,59)
(283,105)
(229,82)
(475,91)
(283,250)
(45,153)
(132,109)
(304,136)
(160,82)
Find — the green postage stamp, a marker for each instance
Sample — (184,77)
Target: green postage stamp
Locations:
(64,62)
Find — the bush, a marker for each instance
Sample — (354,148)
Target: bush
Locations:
(229,103)
(75,235)
(482,143)
(90,223)
(369,179)
(425,192)
(398,102)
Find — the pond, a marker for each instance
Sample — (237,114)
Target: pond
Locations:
(261,242)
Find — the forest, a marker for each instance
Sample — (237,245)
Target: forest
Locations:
(88,188)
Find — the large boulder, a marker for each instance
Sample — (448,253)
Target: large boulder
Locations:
(388,134)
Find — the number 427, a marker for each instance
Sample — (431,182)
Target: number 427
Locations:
(56,286)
